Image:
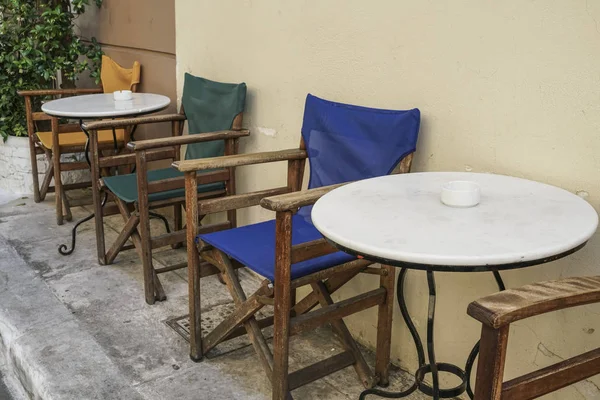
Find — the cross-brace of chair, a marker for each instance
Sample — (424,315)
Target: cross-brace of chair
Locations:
(136,215)
(290,316)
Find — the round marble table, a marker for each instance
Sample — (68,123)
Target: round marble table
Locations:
(97,106)
(104,106)
(399,220)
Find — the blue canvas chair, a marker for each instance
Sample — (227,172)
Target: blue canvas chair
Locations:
(214,112)
(343,143)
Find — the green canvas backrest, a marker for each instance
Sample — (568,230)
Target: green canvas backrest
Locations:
(210,106)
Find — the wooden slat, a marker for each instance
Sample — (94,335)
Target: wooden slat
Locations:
(336,311)
(181,200)
(125,122)
(239,160)
(237,201)
(240,315)
(240,330)
(126,159)
(320,369)
(141,145)
(308,250)
(57,92)
(124,235)
(178,183)
(74,166)
(40,116)
(292,201)
(356,266)
(553,377)
(171,267)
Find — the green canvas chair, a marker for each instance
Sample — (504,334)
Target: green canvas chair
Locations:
(214,113)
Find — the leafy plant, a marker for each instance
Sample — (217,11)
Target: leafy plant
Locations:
(37,42)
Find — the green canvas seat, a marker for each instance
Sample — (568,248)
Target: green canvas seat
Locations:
(125,186)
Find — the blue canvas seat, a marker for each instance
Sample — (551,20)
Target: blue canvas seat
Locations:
(344,143)
(254,246)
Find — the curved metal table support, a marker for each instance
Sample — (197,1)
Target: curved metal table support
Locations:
(62,249)
(433,366)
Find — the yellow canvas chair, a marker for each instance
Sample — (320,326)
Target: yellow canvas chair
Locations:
(69,138)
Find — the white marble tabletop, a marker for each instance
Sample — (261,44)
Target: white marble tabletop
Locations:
(104,106)
(401,218)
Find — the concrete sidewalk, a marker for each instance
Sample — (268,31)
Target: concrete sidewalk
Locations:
(72,329)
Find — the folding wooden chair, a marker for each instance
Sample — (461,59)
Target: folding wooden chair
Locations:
(343,143)
(214,113)
(496,312)
(68,138)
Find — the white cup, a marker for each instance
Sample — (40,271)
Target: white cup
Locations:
(461,194)
(122,95)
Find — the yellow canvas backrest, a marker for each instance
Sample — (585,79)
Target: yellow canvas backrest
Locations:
(114,77)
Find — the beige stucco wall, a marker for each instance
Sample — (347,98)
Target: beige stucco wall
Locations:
(507,87)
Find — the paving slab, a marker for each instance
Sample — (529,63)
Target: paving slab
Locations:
(73,329)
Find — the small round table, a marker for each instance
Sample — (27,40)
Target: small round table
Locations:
(399,220)
(97,106)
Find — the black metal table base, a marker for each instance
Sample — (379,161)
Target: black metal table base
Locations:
(432,367)
(63,249)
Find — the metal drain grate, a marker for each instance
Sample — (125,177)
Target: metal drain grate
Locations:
(210,319)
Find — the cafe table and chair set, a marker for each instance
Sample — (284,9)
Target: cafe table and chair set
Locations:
(362,212)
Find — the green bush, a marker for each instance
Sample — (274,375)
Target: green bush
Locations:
(36,43)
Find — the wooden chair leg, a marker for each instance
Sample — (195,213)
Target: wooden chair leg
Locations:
(177,223)
(490,367)
(58,192)
(137,242)
(239,297)
(192,222)
(96,195)
(66,206)
(281,336)
(37,197)
(48,177)
(384,326)
(360,365)
(144,225)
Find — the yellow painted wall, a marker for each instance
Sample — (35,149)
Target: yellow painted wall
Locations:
(509,87)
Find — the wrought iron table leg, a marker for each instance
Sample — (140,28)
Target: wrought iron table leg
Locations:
(162,218)
(475,352)
(433,366)
(62,249)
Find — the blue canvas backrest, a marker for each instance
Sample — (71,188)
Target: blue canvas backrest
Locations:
(347,143)
(210,106)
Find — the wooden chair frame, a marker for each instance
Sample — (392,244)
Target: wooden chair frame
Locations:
(290,316)
(137,218)
(498,311)
(55,165)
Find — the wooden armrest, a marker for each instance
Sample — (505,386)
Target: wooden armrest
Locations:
(512,305)
(123,123)
(56,92)
(140,145)
(239,160)
(291,201)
